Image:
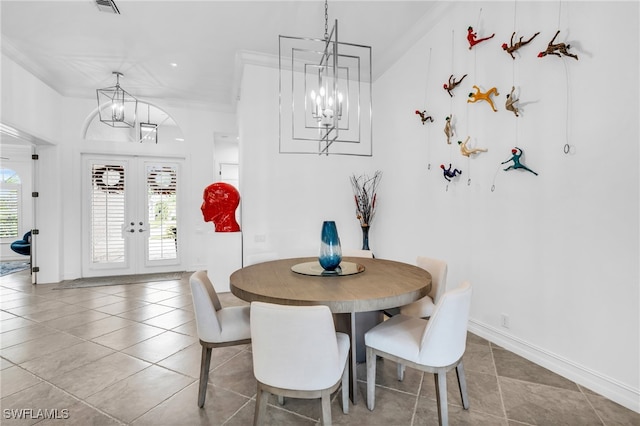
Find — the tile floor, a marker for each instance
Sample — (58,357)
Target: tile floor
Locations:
(128,354)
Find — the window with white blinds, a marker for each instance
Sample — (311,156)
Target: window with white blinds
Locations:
(9,211)
(107,213)
(162,184)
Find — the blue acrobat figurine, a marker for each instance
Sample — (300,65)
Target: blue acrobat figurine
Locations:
(448,174)
(517,153)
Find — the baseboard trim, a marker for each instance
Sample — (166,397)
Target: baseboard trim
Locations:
(590,379)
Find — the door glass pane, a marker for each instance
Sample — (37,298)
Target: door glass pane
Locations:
(107,213)
(162,184)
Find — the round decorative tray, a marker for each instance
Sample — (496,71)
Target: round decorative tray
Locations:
(314,268)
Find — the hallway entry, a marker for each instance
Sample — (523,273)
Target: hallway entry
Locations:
(130,216)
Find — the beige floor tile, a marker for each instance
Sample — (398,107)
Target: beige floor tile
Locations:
(236,375)
(610,412)
(125,305)
(24,334)
(39,397)
(4,315)
(275,416)
(511,365)
(146,312)
(182,408)
(50,314)
(74,320)
(14,323)
(171,319)
(42,305)
(40,347)
(179,301)
(190,328)
(88,379)
(5,363)
(14,379)
(103,300)
(129,398)
(160,346)
(128,336)
(157,296)
(546,405)
(100,327)
(65,360)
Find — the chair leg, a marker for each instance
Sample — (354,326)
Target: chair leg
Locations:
(261,406)
(345,389)
(400,372)
(326,408)
(462,384)
(441,398)
(371,379)
(205,362)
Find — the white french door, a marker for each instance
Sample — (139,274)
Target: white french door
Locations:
(130,215)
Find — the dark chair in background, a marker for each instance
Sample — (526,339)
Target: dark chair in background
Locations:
(23,246)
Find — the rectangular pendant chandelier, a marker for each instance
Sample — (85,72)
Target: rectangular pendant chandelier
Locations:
(116,107)
(325,96)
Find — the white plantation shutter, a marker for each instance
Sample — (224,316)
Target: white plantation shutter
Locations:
(162,184)
(107,213)
(9,211)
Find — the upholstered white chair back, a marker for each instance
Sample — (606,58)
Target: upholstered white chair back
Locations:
(206,305)
(444,339)
(438,270)
(295,347)
(357,253)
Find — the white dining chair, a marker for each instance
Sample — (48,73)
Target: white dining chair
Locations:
(423,308)
(217,326)
(297,353)
(357,253)
(434,346)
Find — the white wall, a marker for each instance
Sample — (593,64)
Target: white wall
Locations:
(557,253)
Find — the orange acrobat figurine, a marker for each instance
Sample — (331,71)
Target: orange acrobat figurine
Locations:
(513,47)
(479,96)
(452,84)
(471,37)
(557,49)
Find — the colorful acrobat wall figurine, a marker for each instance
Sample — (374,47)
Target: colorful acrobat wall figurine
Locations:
(511,101)
(424,117)
(464,150)
(557,49)
(448,173)
(472,37)
(516,153)
(452,84)
(486,96)
(513,47)
(448,128)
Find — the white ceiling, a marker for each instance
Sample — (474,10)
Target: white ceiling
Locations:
(74,47)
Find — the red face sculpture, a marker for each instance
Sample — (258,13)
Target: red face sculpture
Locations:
(219,206)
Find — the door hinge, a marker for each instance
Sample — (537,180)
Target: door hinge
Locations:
(35,231)
(35,194)
(35,157)
(35,269)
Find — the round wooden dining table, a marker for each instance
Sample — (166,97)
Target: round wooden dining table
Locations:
(376,285)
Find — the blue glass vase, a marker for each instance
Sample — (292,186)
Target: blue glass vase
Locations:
(330,250)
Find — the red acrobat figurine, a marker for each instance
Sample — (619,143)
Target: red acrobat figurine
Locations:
(471,37)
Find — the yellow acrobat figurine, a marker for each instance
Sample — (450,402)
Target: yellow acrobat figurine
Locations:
(479,96)
(466,151)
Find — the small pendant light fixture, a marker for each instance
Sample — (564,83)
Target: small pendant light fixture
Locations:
(116,107)
(325,95)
